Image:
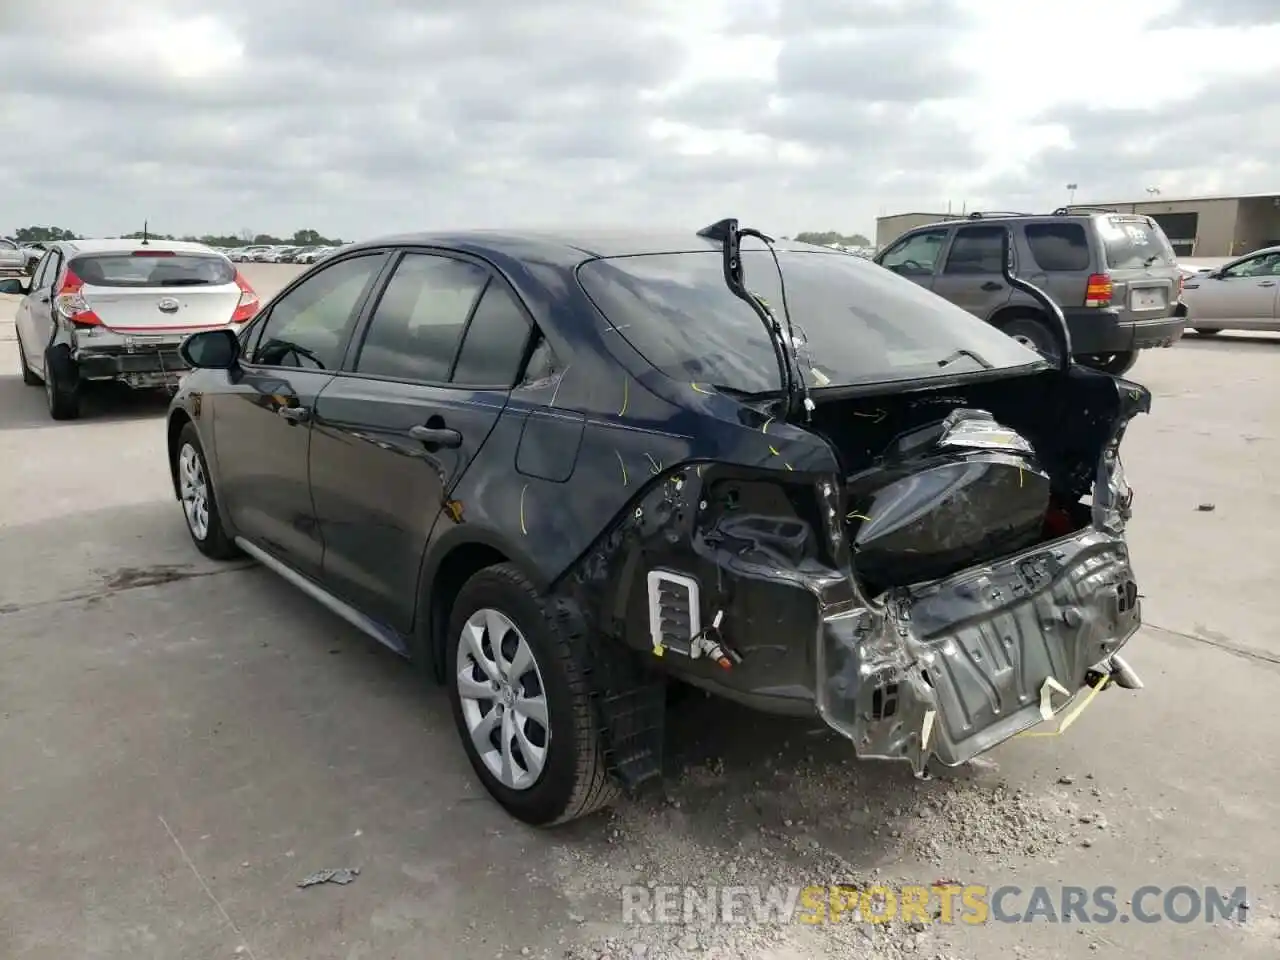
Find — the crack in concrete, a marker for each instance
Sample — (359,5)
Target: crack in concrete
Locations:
(1220,643)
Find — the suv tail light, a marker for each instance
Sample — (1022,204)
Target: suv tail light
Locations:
(69,301)
(1097,291)
(247,308)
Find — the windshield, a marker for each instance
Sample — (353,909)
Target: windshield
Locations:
(153,270)
(1134,242)
(855,321)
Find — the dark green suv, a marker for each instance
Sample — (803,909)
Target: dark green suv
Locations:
(1113,274)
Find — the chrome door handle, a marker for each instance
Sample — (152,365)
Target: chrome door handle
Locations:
(295,414)
(1266,283)
(437,436)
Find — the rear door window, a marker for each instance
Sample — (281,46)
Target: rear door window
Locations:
(1058,247)
(153,269)
(41,278)
(1134,243)
(495,341)
(915,255)
(976,250)
(419,320)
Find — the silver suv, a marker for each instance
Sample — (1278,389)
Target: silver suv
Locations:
(1113,274)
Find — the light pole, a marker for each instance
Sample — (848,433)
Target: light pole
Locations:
(1071,193)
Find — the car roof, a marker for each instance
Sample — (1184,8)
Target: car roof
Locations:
(128,245)
(570,247)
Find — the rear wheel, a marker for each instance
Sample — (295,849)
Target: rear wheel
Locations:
(1207,333)
(1036,334)
(521,702)
(61,384)
(1116,364)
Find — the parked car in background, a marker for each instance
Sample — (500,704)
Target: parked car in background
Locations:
(249,253)
(33,250)
(117,310)
(326,252)
(558,470)
(1244,294)
(1114,276)
(312,254)
(13,259)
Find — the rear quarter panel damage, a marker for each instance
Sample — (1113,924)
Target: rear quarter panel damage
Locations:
(758,525)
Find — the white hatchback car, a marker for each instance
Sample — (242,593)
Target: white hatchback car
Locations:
(118,309)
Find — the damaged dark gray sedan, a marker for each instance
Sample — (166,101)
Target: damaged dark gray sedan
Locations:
(558,471)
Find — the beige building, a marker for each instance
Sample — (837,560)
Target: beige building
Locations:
(1211,226)
(1197,226)
(890,228)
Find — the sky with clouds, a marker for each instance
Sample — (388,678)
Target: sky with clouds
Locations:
(357,119)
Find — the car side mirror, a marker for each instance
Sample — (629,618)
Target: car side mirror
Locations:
(211,350)
(14,287)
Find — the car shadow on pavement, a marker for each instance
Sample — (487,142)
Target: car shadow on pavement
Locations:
(23,407)
(1228,341)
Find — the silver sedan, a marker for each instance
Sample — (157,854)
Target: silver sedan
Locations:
(1242,294)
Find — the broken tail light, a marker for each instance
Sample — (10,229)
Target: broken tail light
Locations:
(247,308)
(71,304)
(1098,290)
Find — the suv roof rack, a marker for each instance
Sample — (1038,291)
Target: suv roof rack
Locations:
(982,214)
(1083,208)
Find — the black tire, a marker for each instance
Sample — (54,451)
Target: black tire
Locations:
(1212,332)
(574,780)
(1116,364)
(1036,334)
(28,375)
(61,384)
(215,543)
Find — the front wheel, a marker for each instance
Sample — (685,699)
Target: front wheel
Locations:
(199,506)
(521,701)
(29,376)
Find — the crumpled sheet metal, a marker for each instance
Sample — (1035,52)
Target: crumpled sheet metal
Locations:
(343,875)
(946,670)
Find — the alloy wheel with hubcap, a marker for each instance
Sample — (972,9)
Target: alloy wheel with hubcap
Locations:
(193,488)
(193,483)
(520,688)
(503,700)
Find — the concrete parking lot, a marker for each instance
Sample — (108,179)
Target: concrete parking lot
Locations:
(182,742)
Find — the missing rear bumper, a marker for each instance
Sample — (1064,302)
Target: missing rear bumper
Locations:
(950,669)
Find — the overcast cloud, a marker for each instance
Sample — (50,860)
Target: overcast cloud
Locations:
(360,119)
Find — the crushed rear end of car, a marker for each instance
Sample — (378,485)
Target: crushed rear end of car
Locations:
(124,313)
(932,563)
(985,588)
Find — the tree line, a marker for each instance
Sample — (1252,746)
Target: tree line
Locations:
(828,237)
(300,238)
